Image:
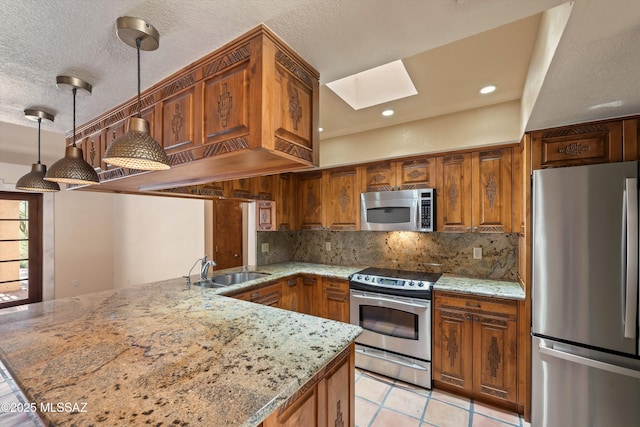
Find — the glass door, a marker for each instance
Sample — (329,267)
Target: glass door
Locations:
(20,248)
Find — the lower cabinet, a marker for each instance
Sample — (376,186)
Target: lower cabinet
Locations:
(335,299)
(269,294)
(475,347)
(305,293)
(292,295)
(326,400)
(311,290)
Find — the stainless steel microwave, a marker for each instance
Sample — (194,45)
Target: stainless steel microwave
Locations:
(404,210)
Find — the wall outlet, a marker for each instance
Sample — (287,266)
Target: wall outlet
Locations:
(265,248)
(75,283)
(477,253)
(327,246)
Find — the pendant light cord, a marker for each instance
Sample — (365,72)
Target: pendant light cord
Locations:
(138,43)
(39,121)
(74,115)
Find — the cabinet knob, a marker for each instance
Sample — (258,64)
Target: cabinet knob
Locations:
(468,317)
(468,228)
(475,229)
(477,319)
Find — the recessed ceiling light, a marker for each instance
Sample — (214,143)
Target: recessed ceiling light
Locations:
(320,129)
(487,89)
(388,113)
(375,86)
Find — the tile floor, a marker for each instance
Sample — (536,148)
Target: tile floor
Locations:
(12,401)
(382,402)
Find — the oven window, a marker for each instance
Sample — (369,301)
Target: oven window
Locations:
(389,215)
(388,321)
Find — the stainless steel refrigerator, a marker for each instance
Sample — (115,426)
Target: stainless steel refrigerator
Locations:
(585,348)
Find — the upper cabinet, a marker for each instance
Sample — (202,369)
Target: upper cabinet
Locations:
(400,175)
(246,110)
(329,199)
(577,145)
(342,198)
(474,192)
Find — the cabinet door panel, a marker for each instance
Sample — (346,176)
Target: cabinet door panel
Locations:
(293,108)
(292,295)
(226,106)
(335,298)
(496,349)
(285,201)
(577,145)
(303,412)
(338,396)
(454,193)
(414,174)
(342,199)
(492,191)
(178,121)
(452,348)
(312,295)
(310,201)
(380,177)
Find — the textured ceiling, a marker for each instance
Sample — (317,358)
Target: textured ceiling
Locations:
(597,60)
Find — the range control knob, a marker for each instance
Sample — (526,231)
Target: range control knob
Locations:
(420,284)
(359,277)
(366,277)
(411,283)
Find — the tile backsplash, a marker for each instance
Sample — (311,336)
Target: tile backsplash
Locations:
(440,252)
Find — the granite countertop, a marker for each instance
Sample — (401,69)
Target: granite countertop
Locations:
(162,354)
(447,282)
(484,287)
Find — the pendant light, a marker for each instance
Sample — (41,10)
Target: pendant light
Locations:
(72,168)
(34,180)
(136,149)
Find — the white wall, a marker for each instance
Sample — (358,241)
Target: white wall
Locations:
(496,124)
(155,238)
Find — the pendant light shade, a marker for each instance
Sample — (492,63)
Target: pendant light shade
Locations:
(72,168)
(34,180)
(136,149)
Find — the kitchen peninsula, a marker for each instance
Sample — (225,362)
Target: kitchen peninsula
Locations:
(165,354)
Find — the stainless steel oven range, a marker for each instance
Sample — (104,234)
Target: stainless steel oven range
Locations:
(393,307)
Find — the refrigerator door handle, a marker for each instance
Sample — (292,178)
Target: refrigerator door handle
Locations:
(631,295)
(589,362)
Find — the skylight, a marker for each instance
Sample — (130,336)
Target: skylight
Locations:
(375,86)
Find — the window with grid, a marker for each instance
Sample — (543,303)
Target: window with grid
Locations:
(20,248)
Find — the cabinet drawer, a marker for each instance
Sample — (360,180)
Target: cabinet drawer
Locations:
(488,305)
(335,284)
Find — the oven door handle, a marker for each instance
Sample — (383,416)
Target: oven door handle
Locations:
(395,301)
(388,358)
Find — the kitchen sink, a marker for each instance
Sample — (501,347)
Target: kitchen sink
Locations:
(230,279)
(234,278)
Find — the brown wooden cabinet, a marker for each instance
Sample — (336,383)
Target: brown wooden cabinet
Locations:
(269,294)
(341,201)
(327,400)
(474,192)
(262,187)
(335,299)
(400,174)
(311,291)
(475,347)
(248,109)
(310,198)
(329,199)
(292,294)
(285,197)
(577,145)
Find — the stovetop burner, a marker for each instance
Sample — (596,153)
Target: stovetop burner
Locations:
(416,284)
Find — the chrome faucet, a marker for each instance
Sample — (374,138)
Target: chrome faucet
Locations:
(204,269)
